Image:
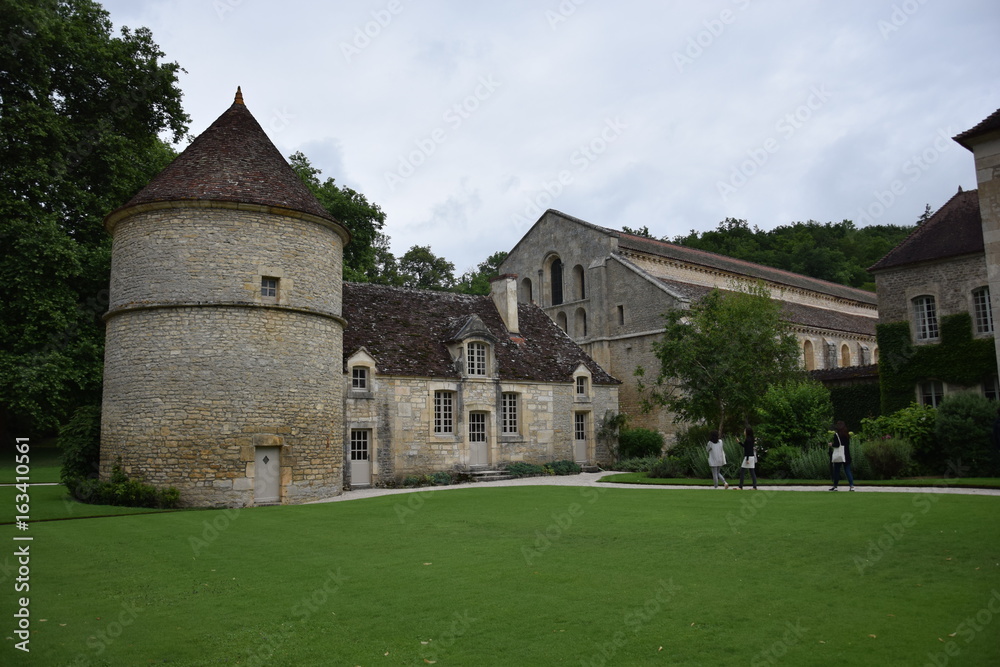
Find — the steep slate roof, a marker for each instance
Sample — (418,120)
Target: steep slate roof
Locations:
(405,330)
(955,229)
(793,313)
(739,266)
(232,161)
(990,125)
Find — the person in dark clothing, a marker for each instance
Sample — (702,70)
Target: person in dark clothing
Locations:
(749,458)
(840,454)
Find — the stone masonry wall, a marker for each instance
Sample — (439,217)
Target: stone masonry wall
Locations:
(950,282)
(400,412)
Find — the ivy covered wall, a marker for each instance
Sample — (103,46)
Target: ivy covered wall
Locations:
(959,359)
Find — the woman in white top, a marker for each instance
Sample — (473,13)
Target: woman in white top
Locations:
(716,458)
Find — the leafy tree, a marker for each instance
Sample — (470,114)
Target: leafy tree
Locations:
(718,358)
(81,114)
(477,281)
(795,414)
(352,209)
(421,268)
(641,231)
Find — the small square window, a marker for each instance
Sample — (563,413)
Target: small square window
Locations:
(931,393)
(269,287)
(359,378)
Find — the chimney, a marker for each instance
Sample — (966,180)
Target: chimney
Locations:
(503,289)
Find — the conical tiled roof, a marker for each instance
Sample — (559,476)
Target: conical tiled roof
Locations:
(955,229)
(232,161)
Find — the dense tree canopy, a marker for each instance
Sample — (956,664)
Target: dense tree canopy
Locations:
(352,209)
(718,358)
(82,111)
(477,281)
(421,268)
(838,252)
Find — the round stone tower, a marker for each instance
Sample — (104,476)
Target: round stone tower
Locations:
(223,364)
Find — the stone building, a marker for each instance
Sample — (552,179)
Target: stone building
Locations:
(608,290)
(224,335)
(442,381)
(226,371)
(937,291)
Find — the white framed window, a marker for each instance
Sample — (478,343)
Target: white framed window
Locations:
(508,412)
(581,385)
(925,317)
(444,415)
(475,359)
(580,426)
(359,378)
(982,315)
(360,444)
(477,427)
(269,287)
(931,393)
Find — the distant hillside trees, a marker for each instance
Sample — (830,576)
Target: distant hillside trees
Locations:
(838,252)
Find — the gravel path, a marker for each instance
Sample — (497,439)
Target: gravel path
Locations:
(593,479)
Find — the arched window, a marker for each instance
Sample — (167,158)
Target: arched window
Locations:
(807,356)
(580,323)
(526,296)
(556,277)
(925,318)
(579,286)
(562,321)
(845,356)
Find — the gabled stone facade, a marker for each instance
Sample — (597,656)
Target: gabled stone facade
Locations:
(436,381)
(609,290)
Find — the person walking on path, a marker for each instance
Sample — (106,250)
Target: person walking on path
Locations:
(716,458)
(749,458)
(840,454)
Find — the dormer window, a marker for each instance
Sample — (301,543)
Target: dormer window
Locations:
(475,359)
(359,378)
(581,385)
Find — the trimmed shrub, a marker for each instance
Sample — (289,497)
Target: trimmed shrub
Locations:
(668,468)
(565,468)
(964,428)
(794,414)
(888,458)
(522,469)
(440,478)
(639,443)
(777,462)
(635,465)
(121,491)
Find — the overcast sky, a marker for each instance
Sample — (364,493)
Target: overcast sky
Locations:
(465,120)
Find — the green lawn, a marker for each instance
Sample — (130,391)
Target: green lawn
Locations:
(734,480)
(523,576)
(43,463)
